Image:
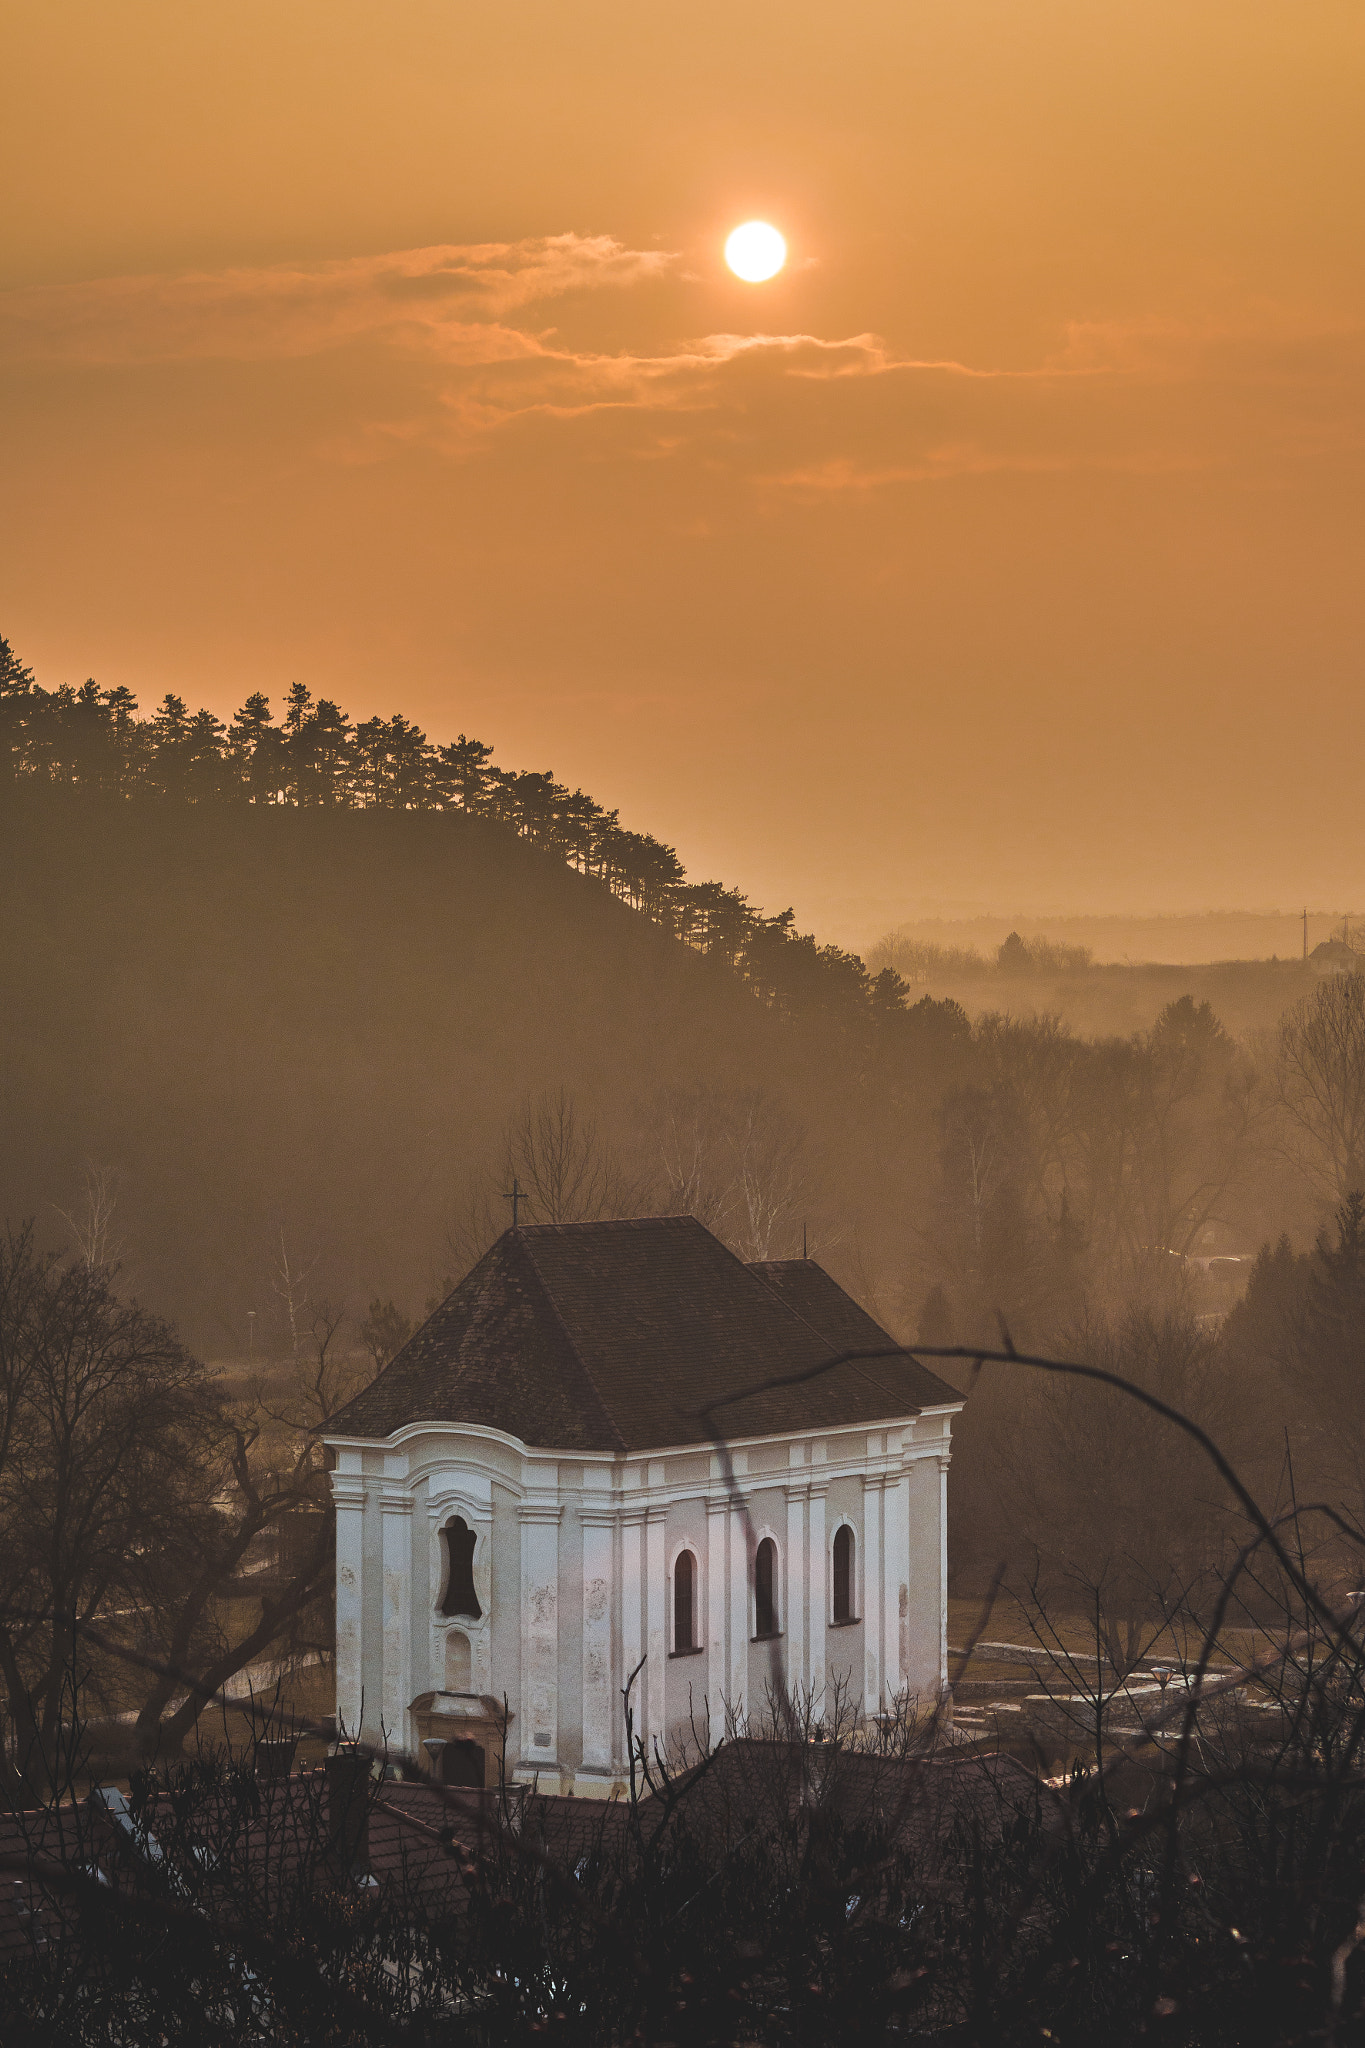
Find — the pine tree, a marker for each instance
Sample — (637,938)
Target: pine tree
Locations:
(298,703)
(17,693)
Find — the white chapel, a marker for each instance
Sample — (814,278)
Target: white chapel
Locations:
(534,1495)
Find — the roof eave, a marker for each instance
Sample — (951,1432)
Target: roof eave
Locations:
(484,1431)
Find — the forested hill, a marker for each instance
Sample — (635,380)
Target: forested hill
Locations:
(285,988)
(93,740)
(310,994)
(318,1021)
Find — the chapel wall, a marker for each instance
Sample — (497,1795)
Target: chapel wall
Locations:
(423,1677)
(845,1646)
(372,1614)
(687,1525)
(768,1514)
(845,1656)
(923,1621)
(570,1608)
(505,1610)
(792,1497)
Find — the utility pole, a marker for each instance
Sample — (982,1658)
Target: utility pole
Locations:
(1305,932)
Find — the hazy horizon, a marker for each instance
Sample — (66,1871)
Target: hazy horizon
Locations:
(736,511)
(1171,938)
(1003,550)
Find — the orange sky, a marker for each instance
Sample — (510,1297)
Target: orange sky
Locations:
(1005,552)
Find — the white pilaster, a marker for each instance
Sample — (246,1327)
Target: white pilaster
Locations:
(896,1584)
(540,1633)
(397,1610)
(737,1689)
(817,1586)
(601,1742)
(945,1459)
(656,1620)
(632,1613)
(348,1493)
(872,1592)
(717,1676)
(797,1603)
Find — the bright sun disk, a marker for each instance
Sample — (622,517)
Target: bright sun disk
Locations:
(755,251)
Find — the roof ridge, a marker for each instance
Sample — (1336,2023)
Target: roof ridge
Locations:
(861,1366)
(752,1267)
(612,1223)
(604,1413)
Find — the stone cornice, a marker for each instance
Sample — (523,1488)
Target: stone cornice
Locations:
(477,1432)
(540,1511)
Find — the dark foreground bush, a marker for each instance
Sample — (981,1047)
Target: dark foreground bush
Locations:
(803,1885)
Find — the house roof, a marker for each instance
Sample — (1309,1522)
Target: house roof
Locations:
(424,1842)
(615,1336)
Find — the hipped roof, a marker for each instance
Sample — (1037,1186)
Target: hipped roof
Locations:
(614,1336)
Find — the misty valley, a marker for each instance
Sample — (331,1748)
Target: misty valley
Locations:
(485,1325)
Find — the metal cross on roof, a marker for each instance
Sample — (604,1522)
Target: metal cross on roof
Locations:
(516,1198)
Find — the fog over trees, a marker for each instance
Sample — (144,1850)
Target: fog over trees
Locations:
(336,980)
(296,1004)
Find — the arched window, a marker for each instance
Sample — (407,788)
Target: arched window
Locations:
(843,1573)
(765,1597)
(685,1601)
(460,1597)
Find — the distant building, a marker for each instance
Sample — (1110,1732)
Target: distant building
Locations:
(529,1502)
(1335,956)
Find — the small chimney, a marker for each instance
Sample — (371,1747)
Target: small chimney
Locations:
(275,1756)
(348,1811)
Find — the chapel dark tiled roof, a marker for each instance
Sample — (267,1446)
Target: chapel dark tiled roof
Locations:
(807,1288)
(615,1336)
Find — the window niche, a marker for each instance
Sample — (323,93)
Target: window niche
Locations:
(843,1575)
(459,1597)
(765,1589)
(684,1604)
(459,1662)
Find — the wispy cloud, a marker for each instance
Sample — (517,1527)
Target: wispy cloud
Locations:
(453,301)
(465,335)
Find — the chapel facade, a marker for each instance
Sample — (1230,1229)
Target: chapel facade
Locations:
(615,1442)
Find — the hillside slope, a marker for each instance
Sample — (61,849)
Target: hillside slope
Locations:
(317,1021)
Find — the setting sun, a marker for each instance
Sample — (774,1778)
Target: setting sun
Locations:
(755,252)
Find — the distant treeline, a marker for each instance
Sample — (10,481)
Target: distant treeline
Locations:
(93,739)
(922,960)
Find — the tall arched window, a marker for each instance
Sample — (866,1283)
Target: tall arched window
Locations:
(460,1597)
(765,1598)
(684,1601)
(843,1573)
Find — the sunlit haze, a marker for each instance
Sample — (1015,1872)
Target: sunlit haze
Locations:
(682,1056)
(1000,554)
